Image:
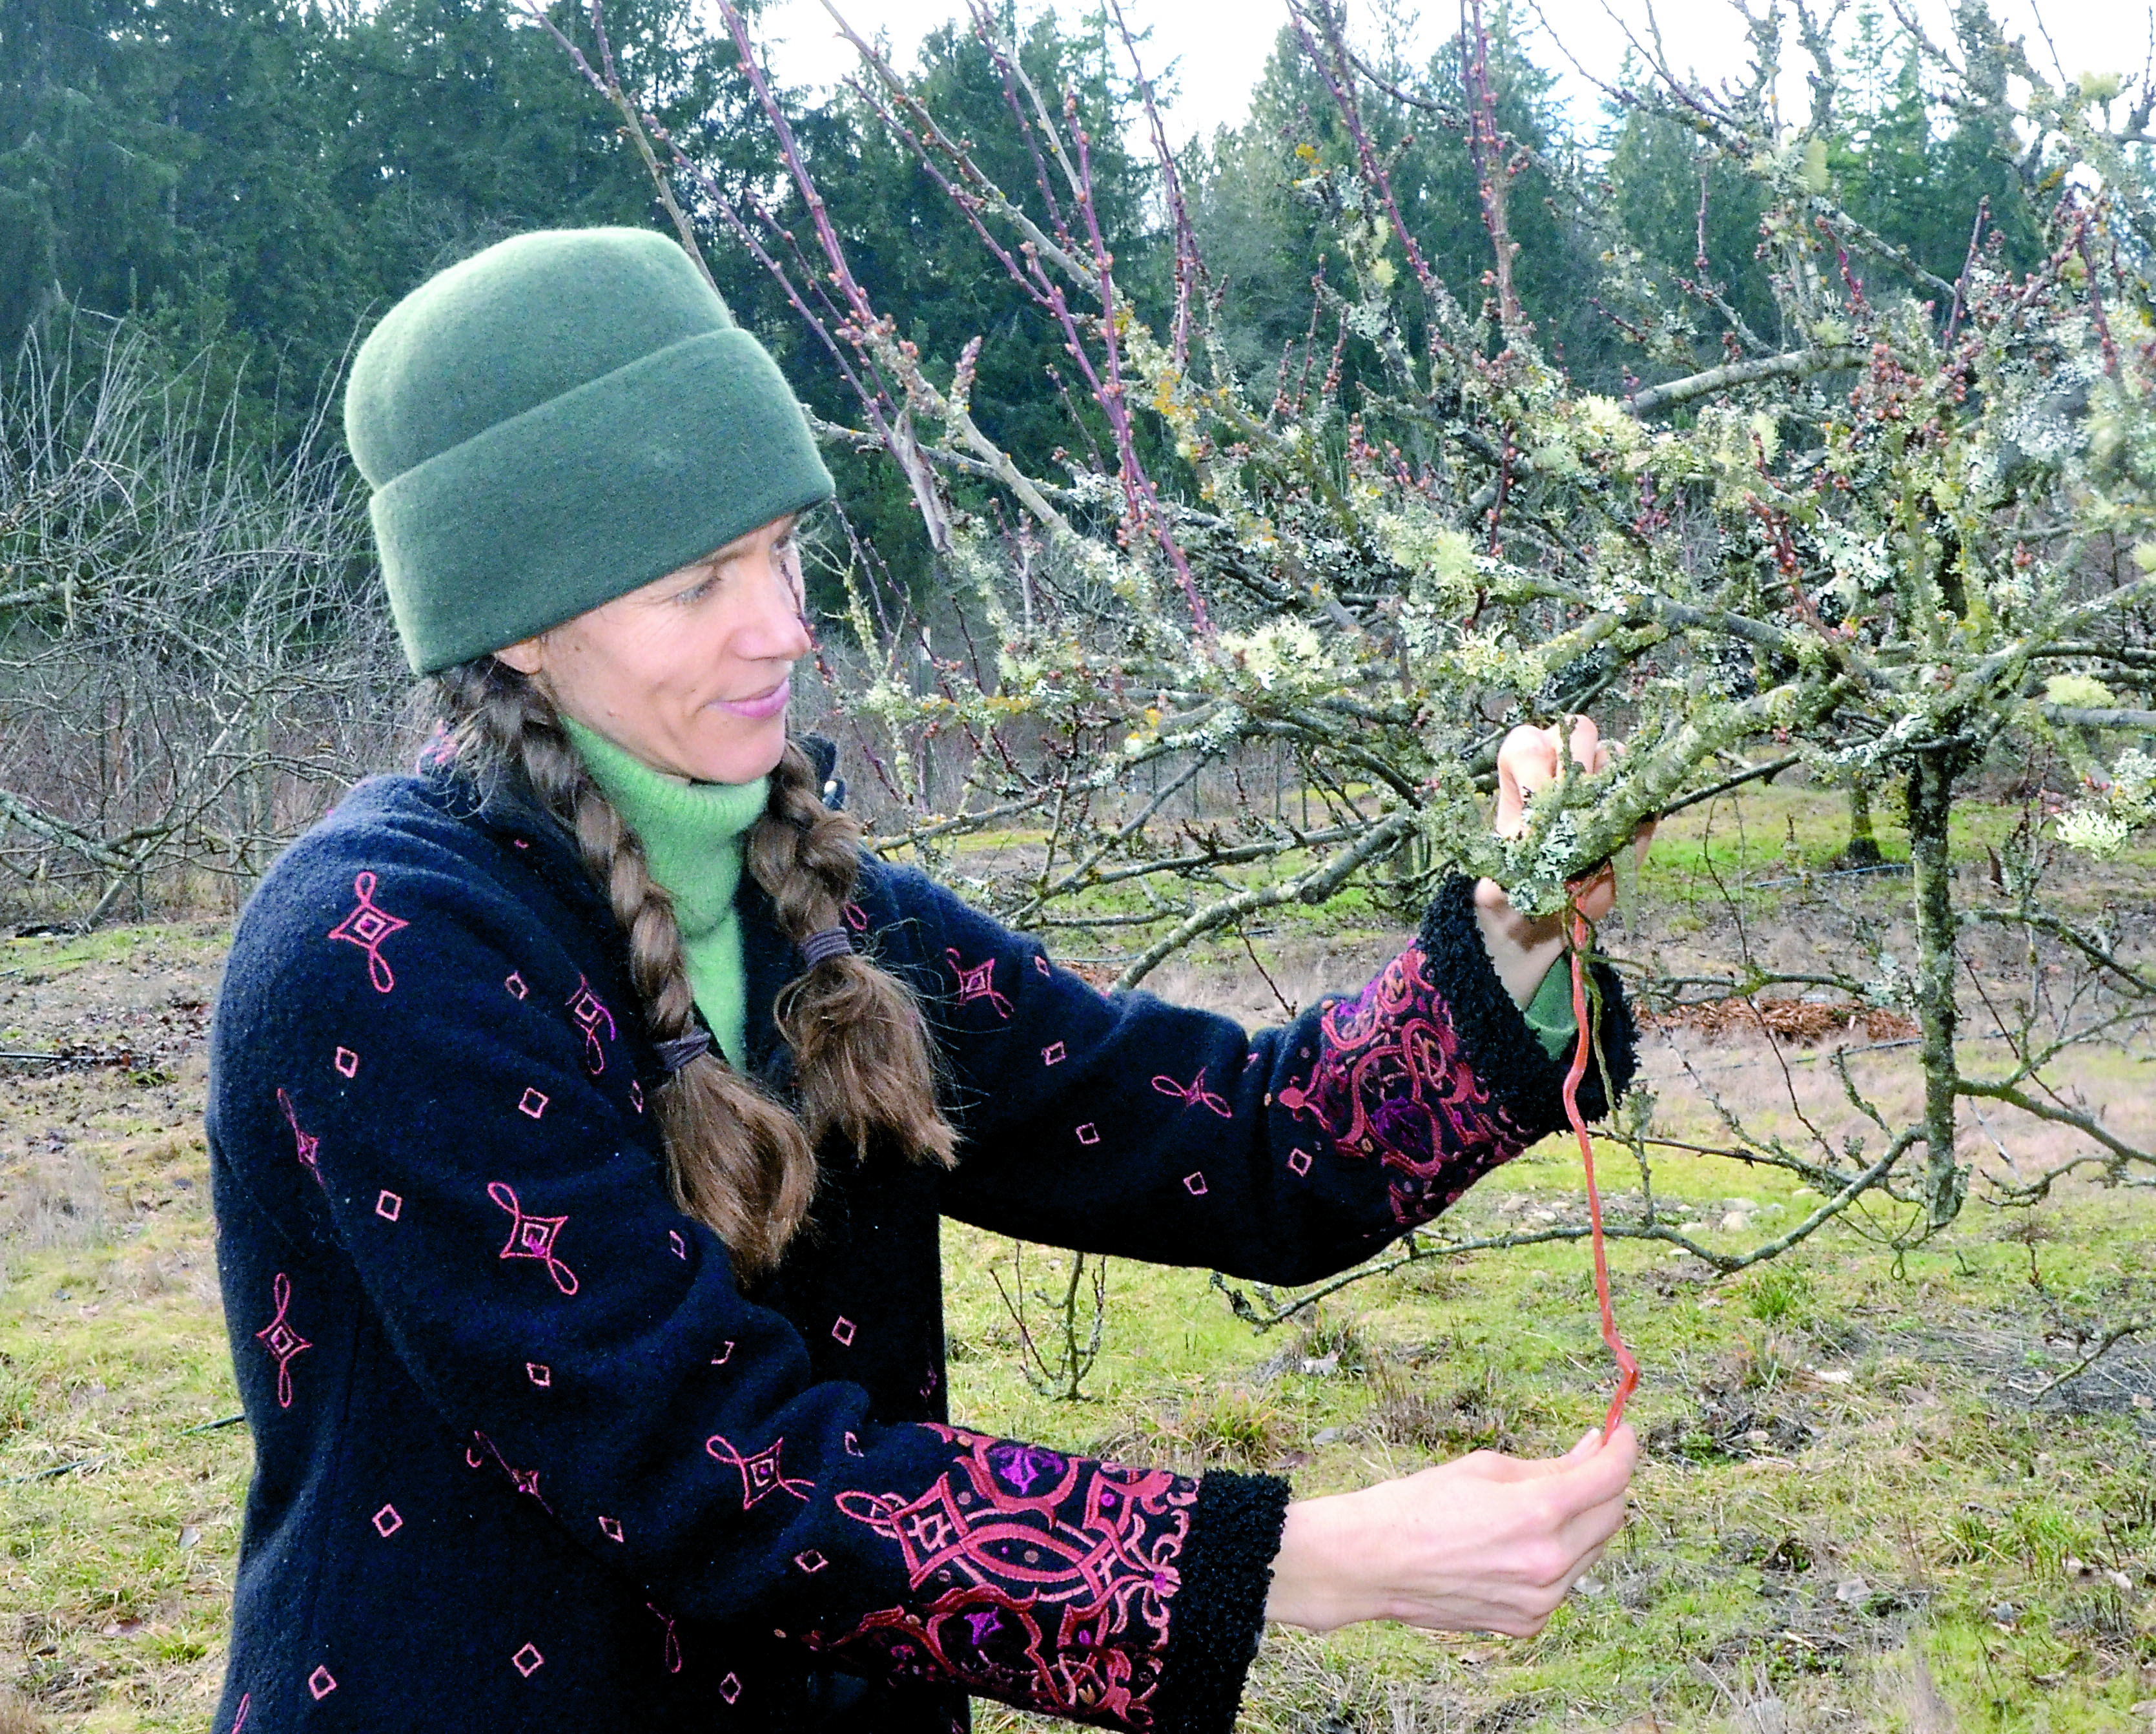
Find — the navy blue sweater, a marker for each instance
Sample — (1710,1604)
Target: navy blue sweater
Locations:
(528,1457)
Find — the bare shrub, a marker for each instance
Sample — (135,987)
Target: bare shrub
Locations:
(194,654)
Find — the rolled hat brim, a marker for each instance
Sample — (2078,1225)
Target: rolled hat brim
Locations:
(593,494)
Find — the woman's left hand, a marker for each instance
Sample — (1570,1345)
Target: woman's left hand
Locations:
(1521,949)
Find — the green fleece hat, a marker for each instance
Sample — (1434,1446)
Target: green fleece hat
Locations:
(556,421)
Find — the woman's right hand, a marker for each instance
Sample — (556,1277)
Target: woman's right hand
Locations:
(1486,1543)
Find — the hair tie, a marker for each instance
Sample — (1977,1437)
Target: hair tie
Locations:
(674,1055)
(826,942)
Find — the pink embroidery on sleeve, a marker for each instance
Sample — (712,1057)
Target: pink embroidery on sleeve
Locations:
(347,1062)
(322,1683)
(1194,1094)
(1059,1572)
(1040,964)
(387,1522)
(589,1013)
(1195,1184)
(761,1473)
(527,1661)
(730,1687)
(281,1341)
(1088,1133)
(533,1102)
(368,927)
(532,1236)
(854,1447)
(1298,1161)
(515,983)
(1053,1054)
(610,1527)
(636,1095)
(539,1373)
(246,1704)
(810,1560)
(724,1355)
(842,1332)
(673,1239)
(1389,1080)
(977,982)
(388,1206)
(856,918)
(308,1144)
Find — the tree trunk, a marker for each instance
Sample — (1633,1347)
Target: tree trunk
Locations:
(1931,803)
(1863,849)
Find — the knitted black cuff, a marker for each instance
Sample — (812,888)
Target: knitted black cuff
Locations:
(1507,1056)
(1219,1612)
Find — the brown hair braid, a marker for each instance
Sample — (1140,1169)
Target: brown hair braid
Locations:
(740,1161)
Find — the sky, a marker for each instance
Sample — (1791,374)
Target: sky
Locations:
(1217,48)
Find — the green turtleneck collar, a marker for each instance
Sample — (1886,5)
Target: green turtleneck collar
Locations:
(691,834)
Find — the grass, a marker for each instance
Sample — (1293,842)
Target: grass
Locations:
(1852,1513)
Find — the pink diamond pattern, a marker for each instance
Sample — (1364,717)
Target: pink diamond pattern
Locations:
(526,1661)
(515,986)
(636,1095)
(724,1355)
(388,1206)
(1298,1161)
(1053,1054)
(1195,1184)
(367,926)
(347,1062)
(610,1527)
(539,1374)
(674,1240)
(1089,1134)
(843,1331)
(533,1104)
(810,1560)
(387,1522)
(730,1687)
(322,1683)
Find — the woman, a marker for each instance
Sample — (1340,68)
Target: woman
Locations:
(583,1109)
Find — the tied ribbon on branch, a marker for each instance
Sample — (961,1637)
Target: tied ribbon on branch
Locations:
(1577,936)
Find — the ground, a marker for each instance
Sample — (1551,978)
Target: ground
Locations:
(1860,1506)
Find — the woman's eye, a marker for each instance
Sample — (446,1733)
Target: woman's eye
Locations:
(696,593)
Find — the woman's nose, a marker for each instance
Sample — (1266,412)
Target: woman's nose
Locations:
(774,630)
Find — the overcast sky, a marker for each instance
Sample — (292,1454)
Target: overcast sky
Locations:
(1217,48)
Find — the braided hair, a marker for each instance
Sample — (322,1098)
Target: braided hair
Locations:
(740,1160)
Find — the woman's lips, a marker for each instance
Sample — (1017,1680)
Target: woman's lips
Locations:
(762,705)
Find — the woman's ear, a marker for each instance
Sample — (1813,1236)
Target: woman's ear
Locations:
(527,656)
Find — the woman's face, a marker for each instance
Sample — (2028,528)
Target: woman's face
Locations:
(688,673)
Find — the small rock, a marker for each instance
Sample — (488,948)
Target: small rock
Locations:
(1833,1375)
(2003,1613)
(1322,1366)
(1590,1585)
(1711,1300)
(189,1534)
(2118,1580)
(2142,1400)
(1325,1436)
(2076,1568)
(1851,1589)
(1736,1223)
